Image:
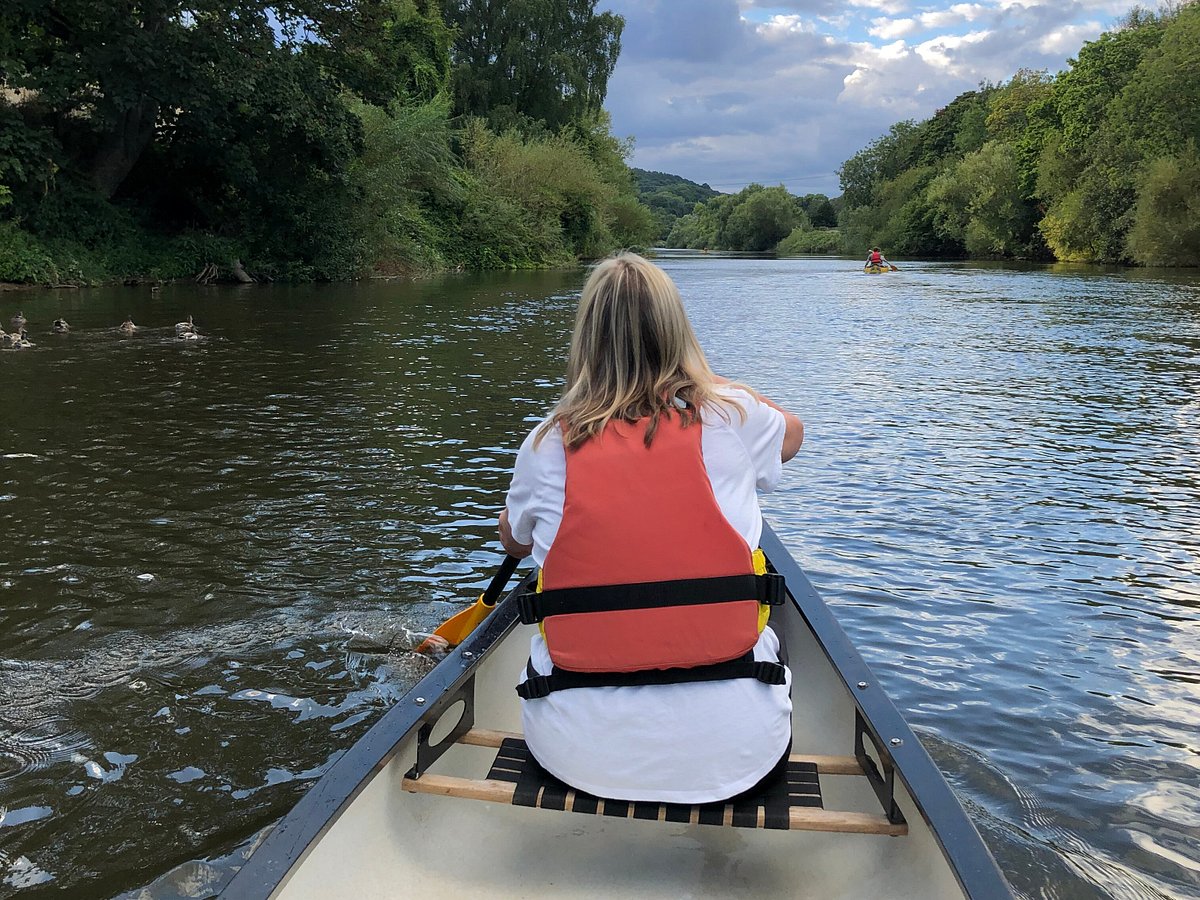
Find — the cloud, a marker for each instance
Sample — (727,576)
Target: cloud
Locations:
(733,91)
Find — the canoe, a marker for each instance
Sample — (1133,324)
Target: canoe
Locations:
(876,270)
(440,799)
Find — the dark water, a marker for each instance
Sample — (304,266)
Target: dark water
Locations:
(999,493)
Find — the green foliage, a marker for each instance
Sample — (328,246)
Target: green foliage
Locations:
(819,210)
(23,259)
(309,140)
(1103,68)
(403,177)
(530,61)
(958,128)
(565,200)
(981,204)
(881,160)
(811,240)
(670,197)
(695,231)
(1166,222)
(756,219)
(1065,165)
(388,51)
(762,220)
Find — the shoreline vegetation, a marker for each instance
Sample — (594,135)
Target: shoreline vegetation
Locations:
(227,141)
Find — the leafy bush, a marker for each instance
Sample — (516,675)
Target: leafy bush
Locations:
(812,240)
(23,259)
(1166,224)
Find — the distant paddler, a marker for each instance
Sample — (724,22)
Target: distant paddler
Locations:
(876,260)
(127,327)
(60,326)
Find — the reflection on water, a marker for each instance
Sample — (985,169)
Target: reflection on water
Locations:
(998,494)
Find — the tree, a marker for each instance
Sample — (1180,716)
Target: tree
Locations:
(1166,222)
(881,160)
(980,202)
(761,220)
(822,214)
(386,50)
(1103,68)
(543,61)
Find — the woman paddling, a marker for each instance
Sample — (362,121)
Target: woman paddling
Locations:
(645,473)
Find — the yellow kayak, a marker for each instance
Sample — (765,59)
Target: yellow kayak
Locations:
(876,270)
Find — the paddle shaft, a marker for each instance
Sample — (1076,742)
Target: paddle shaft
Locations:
(499,580)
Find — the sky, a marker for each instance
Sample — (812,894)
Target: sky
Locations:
(734,91)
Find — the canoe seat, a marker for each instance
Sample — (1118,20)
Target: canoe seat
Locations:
(793,802)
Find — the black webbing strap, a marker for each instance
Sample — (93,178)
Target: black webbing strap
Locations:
(537,686)
(534,606)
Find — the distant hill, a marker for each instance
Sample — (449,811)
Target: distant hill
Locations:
(669,196)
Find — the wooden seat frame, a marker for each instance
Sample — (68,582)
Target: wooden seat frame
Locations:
(800,818)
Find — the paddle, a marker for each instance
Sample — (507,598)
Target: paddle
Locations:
(456,628)
(894,269)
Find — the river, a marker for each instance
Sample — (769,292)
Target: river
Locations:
(999,495)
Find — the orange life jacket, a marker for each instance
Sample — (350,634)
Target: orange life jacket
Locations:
(645,573)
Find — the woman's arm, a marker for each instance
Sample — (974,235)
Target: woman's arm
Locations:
(510,544)
(793,434)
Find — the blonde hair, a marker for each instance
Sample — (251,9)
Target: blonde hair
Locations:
(633,352)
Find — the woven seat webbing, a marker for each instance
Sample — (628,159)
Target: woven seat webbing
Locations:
(535,787)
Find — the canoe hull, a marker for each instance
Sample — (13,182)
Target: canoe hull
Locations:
(370,838)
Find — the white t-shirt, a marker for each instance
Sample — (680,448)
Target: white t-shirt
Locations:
(675,743)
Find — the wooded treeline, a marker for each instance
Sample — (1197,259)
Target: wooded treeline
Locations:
(759,218)
(309,139)
(1098,163)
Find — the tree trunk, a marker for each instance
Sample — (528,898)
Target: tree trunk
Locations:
(121,148)
(239,273)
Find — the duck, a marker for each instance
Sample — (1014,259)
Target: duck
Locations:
(188,327)
(60,326)
(127,327)
(15,341)
(18,321)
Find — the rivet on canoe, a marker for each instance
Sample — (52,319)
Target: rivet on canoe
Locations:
(467,654)
(862,685)
(895,742)
(420,701)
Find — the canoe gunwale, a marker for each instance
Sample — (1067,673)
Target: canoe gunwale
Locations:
(285,846)
(969,858)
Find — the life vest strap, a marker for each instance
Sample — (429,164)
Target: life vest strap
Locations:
(533,606)
(537,686)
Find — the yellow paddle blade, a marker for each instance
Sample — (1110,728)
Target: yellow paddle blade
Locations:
(456,628)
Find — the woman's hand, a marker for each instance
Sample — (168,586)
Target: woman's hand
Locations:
(510,544)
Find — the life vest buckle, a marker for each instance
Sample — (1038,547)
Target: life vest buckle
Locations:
(770,672)
(774,589)
(534,687)
(528,608)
